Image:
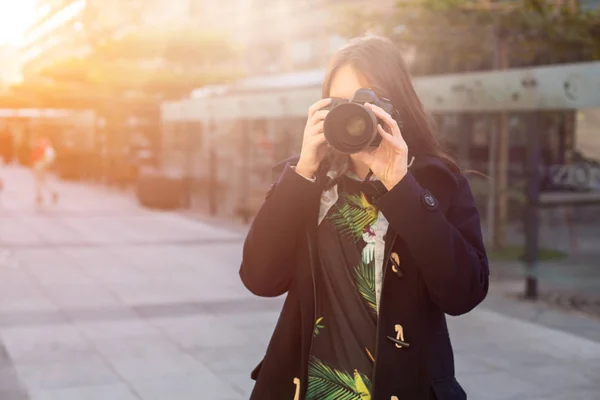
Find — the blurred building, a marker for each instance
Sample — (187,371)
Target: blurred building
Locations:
(67,28)
(276,36)
(10,68)
(281,36)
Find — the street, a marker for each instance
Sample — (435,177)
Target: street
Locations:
(101,299)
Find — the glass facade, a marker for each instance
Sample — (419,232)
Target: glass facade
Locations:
(589,4)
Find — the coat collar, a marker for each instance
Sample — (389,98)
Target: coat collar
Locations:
(280,165)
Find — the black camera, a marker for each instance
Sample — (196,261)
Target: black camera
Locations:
(350,127)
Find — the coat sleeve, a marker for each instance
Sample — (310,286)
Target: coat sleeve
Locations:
(446,242)
(269,249)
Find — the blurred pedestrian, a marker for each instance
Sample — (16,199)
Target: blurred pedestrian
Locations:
(42,158)
(373,247)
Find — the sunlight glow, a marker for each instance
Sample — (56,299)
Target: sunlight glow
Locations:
(68,13)
(15,17)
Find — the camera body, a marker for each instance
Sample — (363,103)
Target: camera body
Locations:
(350,127)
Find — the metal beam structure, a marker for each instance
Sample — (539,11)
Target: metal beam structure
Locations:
(562,87)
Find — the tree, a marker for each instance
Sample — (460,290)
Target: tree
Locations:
(536,31)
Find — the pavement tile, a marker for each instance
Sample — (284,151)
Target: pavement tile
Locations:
(213,293)
(63,274)
(34,259)
(500,385)
(491,327)
(189,388)
(556,378)
(92,228)
(103,330)
(154,345)
(569,395)
(521,356)
(15,291)
(45,344)
(66,374)
(526,359)
(5,395)
(15,233)
(66,295)
(31,318)
(144,293)
(11,275)
(106,392)
(145,256)
(98,314)
(240,382)
(468,366)
(503,298)
(253,314)
(157,366)
(192,332)
(571,347)
(114,272)
(26,302)
(90,256)
(151,312)
(235,359)
(9,378)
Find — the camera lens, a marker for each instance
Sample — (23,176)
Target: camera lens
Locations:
(356,126)
(350,128)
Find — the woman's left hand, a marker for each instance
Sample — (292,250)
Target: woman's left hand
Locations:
(389,161)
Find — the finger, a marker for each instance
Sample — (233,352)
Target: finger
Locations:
(396,142)
(318,116)
(317,106)
(320,140)
(317,128)
(387,118)
(380,112)
(385,135)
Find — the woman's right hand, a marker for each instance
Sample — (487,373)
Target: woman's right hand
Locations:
(314,145)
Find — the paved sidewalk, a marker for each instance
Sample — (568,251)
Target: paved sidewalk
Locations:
(100,299)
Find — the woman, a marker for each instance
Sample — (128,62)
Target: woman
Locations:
(370,266)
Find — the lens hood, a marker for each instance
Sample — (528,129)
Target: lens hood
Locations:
(350,128)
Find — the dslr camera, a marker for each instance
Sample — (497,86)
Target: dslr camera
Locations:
(350,127)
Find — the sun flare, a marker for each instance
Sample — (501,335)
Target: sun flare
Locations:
(15,17)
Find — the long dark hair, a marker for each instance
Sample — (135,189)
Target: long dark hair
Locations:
(382,64)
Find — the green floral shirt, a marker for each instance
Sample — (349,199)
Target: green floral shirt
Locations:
(343,348)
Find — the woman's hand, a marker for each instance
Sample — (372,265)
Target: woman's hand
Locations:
(314,146)
(389,161)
